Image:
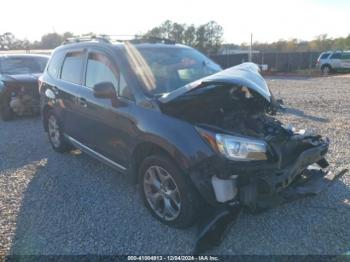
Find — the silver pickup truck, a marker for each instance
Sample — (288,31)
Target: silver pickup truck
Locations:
(333,61)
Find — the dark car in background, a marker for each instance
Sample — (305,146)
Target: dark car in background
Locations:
(193,135)
(19,84)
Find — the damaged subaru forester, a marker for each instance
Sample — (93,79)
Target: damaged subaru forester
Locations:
(202,142)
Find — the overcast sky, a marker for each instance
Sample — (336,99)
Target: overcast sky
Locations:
(268,20)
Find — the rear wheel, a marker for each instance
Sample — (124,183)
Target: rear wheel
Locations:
(55,134)
(167,193)
(326,70)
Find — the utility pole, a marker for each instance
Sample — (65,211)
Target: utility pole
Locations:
(250,48)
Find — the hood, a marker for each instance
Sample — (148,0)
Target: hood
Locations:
(246,74)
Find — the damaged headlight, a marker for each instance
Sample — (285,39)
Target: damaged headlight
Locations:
(234,147)
(239,148)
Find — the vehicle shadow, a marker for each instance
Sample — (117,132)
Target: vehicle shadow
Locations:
(76,205)
(315,225)
(302,114)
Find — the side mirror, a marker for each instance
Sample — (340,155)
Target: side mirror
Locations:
(104,90)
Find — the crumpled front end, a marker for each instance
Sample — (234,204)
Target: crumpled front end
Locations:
(258,162)
(251,181)
(295,169)
(254,153)
(20,94)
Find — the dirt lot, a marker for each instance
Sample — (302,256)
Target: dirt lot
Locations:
(71,204)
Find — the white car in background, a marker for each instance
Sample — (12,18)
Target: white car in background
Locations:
(334,61)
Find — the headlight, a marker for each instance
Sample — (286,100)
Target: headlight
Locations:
(239,148)
(234,147)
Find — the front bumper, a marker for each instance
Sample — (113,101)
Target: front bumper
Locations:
(258,179)
(213,227)
(290,174)
(253,193)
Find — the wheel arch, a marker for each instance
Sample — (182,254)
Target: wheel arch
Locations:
(145,149)
(326,65)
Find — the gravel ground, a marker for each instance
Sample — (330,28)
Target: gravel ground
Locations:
(71,204)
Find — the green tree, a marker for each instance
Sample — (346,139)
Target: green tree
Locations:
(51,40)
(189,36)
(67,35)
(209,37)
(7,40)
(206,37)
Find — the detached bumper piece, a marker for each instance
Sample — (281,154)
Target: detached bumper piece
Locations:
(214,226)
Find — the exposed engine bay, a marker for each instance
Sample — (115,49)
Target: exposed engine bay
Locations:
(24,101)
(241,112)
(231,108)
(19,96)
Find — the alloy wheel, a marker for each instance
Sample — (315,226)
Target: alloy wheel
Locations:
(54,132)
(162,193)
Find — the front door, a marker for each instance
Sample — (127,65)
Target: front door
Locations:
(107,125)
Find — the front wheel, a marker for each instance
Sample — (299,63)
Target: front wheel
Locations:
(167,193)
(55,134)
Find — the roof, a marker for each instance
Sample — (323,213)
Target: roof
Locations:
(111,41)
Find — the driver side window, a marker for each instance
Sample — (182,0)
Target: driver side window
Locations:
(100,69)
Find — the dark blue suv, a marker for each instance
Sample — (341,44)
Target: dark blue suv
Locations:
(191,134)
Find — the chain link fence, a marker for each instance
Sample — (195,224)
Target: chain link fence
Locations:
(276,61)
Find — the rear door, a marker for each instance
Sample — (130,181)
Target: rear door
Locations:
(335,60)
(72,101)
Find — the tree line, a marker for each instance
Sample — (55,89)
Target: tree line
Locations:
(207,37)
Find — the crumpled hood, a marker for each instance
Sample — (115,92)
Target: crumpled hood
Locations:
(246,74)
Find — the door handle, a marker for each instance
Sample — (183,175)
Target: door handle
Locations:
(82,101)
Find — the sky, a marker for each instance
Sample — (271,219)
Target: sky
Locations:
(268,20)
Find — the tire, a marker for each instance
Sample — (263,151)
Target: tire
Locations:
(6,113)
(326,69)
(185,213)
(55,133)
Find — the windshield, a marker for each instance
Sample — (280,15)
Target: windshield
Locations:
(164,69)
(22,65)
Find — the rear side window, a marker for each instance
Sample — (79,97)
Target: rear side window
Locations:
(324,56)
(336,56)
(55,64)
(72,67)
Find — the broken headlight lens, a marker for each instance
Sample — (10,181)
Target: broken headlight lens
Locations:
(241,149)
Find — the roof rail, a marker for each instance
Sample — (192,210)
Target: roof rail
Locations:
(78,39)
(109,39)
(153,40)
